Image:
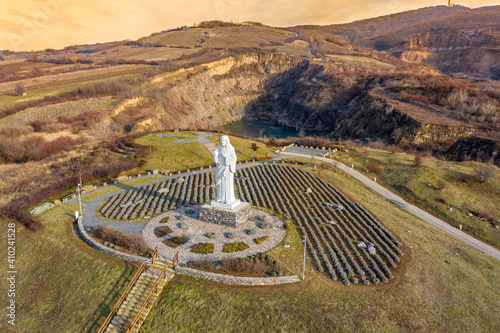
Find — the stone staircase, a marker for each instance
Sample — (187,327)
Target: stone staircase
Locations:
(142,297)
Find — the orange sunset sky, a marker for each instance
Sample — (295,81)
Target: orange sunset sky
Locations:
(40,24)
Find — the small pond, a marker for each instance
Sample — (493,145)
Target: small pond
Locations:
(259,128)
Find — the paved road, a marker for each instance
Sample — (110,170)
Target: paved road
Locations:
(421,214)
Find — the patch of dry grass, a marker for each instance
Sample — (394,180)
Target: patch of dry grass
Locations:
(62,284)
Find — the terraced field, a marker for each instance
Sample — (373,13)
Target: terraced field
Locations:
(53,111)
(184,38)
(78,76)
(346,241)
(244,36)
(160,197)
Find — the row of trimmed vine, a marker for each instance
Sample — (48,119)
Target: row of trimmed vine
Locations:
(160,197)
(332,233)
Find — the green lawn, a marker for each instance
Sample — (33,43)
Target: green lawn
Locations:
(170,156)
(63,285)
(242,147)
(121,186)
(399,174)
(435,290)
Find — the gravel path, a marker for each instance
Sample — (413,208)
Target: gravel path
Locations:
(397,200)
(198,229)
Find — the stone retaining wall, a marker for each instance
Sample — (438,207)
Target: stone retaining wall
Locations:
(112,252)
(239,280)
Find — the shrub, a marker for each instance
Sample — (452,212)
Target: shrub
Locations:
(487,212)
(483,173)
(264,225)
(441,184)
(132,243)
(22,217)
(210,235)
(204,248)
(446,199)
(165,220)
(417,160)
(19,149)
(189,212)
(176,241)
(234,247)
(251,231)
(182,218)
(49,148)
(260,239)
(162,231)
(466,206)
(263,218)
(183,226)
(231,235)
(263,157)
(374,167)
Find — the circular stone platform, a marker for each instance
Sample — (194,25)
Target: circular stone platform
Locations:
(198,229)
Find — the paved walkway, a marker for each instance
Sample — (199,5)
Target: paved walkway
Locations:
(91,219)
(198,230)
(397,200)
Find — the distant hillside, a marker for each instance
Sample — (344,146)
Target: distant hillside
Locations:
(452,39)
(367,80)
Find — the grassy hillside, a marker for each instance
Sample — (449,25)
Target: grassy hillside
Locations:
(170,156)
(437,186)
(62,284)
(444,286)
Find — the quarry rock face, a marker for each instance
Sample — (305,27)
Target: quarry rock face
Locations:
(455,51)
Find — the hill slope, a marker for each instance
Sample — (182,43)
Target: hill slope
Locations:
(452,39)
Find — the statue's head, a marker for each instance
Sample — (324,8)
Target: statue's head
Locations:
(224,140)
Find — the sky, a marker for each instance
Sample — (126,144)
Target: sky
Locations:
(41,24)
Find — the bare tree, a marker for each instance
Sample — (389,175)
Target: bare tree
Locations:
(100,129)
(20,89)
(254,147)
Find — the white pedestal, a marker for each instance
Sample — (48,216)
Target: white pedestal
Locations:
(230,206)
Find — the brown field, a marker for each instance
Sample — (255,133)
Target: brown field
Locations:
(360,60)
(298,47)
(53,111)
(336,48)
(184,38)
(64,78)
(133,52)
(436,116)
(244,36)
(23,66)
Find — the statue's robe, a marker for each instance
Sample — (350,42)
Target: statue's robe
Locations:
(225,158)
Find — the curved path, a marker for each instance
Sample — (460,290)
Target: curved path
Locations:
(397,200)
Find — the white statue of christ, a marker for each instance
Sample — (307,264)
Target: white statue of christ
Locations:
(225,159)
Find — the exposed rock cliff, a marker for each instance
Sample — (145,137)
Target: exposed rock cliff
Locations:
(287,90)
(456,51)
